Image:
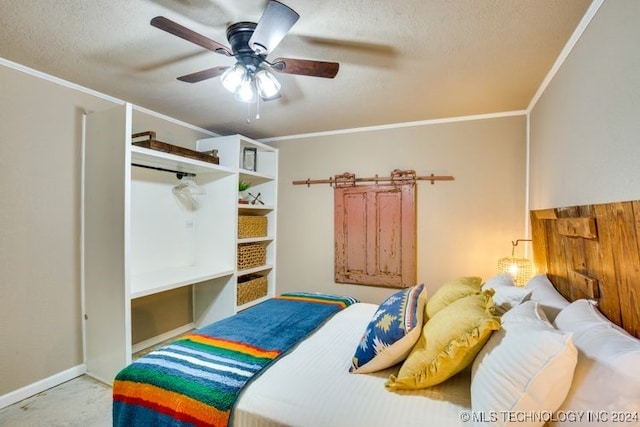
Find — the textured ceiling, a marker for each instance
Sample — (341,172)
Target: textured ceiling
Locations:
(399,61)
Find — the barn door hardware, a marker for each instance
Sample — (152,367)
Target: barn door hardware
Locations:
(396,177)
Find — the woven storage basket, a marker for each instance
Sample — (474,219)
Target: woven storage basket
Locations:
(251,255)
(251,288)
(252,226)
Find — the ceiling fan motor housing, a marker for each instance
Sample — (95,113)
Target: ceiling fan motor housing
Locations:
(238,35)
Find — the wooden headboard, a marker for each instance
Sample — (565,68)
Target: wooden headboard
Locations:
(593,251)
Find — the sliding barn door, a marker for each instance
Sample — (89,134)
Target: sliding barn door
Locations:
(375,235)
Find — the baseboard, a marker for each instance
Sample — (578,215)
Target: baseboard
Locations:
(162,337)
(42,385)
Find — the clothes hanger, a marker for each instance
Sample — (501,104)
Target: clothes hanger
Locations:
(188,186)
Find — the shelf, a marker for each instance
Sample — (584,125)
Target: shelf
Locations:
(258,269)
(160,159)
(261,209)
(255,178)
(255,239)
(165,280)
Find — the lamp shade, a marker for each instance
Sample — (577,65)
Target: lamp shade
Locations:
(521,269)
(247,91)
(233,77)
(268,86)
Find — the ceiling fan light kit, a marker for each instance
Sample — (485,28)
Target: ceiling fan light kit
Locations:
(250,79)
(244,82)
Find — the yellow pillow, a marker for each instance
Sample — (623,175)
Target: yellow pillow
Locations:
(449,342)
(452,291)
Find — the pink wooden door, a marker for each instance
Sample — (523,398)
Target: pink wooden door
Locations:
(375,235)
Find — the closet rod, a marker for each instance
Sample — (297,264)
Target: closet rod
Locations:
(331,181)
(179,174)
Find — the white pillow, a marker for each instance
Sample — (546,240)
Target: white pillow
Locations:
(607,377)
(499,280)
(507,294)
(526,367)
(550,299)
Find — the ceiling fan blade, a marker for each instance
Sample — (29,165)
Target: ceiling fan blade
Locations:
(305,67)
(275,23)
(203,75)
(176,29)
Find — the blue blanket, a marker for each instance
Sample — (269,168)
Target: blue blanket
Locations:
(197,379)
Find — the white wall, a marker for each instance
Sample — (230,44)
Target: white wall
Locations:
(464,226)
(585,129)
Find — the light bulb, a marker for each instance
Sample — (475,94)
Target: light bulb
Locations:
(246,92)
(233,77)
(268,86)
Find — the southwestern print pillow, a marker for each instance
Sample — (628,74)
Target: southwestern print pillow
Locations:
(392,332)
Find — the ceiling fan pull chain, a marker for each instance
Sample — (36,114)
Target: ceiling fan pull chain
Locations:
(248,113)
(258,108)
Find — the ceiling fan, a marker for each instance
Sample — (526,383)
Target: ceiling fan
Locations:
(250,77)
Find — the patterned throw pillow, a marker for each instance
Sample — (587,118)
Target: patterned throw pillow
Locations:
(392,332)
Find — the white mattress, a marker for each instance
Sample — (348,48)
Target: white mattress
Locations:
(312,386)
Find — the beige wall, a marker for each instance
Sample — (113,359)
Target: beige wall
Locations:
(585,129)
(464,226)
(40,178)
(40,158)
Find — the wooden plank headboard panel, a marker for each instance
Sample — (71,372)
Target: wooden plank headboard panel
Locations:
(593,251)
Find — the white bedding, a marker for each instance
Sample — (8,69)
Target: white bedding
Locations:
(312,386)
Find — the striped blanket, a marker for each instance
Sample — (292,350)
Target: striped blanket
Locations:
(196,380)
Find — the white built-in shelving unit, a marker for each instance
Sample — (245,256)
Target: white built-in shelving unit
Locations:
(263,182)
(140,240)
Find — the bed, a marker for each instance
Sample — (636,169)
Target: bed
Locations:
(551,355)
